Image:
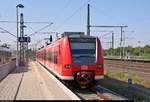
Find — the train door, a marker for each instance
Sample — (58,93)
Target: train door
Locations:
(52,59)
(44,56)
(56,59)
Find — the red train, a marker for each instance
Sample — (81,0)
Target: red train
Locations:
(75,57)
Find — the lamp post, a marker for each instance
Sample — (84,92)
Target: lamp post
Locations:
(18,6)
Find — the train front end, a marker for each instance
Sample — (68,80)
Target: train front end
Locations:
(86,59)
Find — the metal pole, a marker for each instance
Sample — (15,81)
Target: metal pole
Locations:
(17,38)
(121,44)
(124,54)
(22,43)
(17,57)
(88,19)
(27,54)
(112,43)
(113,40)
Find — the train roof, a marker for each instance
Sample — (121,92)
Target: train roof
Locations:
(76,35)
(69,35)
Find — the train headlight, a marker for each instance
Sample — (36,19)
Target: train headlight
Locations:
(67,66)
(100,66)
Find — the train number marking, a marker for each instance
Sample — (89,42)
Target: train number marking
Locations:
(84,67)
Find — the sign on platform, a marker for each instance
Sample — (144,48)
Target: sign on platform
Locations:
(24,39)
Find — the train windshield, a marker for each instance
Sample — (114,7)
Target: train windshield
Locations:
(83,50)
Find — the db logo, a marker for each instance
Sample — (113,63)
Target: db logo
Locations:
(84,67)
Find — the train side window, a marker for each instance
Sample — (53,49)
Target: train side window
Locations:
(49,56)
(52,57)
(46,56)
(56,57)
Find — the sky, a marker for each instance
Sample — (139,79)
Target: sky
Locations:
(71,15)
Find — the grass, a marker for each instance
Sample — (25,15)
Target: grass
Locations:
(117,80)
(124,76)
(123,89)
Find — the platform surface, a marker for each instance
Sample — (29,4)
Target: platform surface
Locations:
(31,83)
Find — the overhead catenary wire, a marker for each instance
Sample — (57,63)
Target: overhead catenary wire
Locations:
(68,18)
(58,15)
(7,32)
(41,29)
(100,31)
(106,34)
(30,27)
(24,22)
(103,13)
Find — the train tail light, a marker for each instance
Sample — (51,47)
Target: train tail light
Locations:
(100,65)
(67,66)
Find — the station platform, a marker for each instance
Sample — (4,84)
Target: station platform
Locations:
(33,83)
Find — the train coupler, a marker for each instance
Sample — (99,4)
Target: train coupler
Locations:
(85,77)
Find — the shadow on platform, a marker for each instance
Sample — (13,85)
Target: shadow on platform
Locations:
(21,69)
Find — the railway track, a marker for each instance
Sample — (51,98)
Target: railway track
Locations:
(134,65)
(97,93)
(107,94)
(87,94)
(130,60)
(93,93)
